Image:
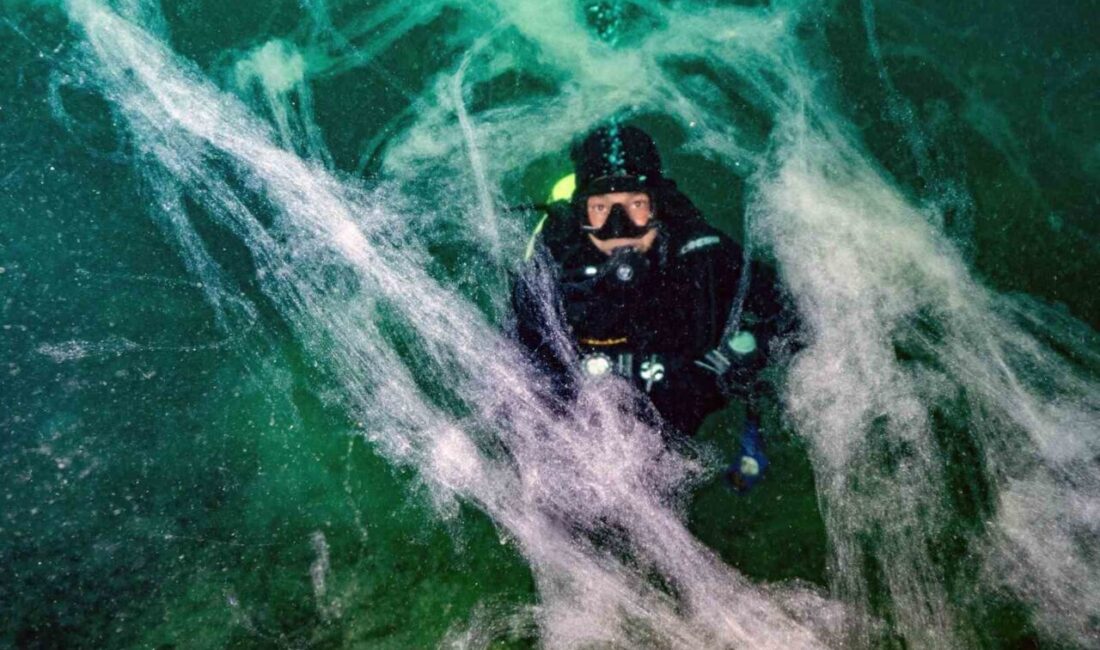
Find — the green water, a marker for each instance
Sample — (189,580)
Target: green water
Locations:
(190,459)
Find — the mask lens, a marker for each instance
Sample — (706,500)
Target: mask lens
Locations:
(619,225)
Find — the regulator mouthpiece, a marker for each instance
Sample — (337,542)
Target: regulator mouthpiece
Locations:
(626,266)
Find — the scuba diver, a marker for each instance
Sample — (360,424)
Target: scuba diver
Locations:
(626,278)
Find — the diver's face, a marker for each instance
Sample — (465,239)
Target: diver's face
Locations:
(638,209)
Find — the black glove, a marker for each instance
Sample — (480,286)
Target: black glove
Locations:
(735,362)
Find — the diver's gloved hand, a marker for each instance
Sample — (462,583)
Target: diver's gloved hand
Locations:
(734,362)
(748,468)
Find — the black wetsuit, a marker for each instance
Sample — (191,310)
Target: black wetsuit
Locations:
(572,312)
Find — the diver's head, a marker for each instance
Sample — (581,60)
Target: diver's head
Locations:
(618,174)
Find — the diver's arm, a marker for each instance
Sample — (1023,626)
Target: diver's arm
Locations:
(739,351)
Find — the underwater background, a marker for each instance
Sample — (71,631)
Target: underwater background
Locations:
(256,384)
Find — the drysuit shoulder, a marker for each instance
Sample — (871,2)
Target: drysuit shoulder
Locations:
(556,230)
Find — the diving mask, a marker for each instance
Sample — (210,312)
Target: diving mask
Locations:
(619,225)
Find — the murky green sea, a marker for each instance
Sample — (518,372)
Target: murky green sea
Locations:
(254,390)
